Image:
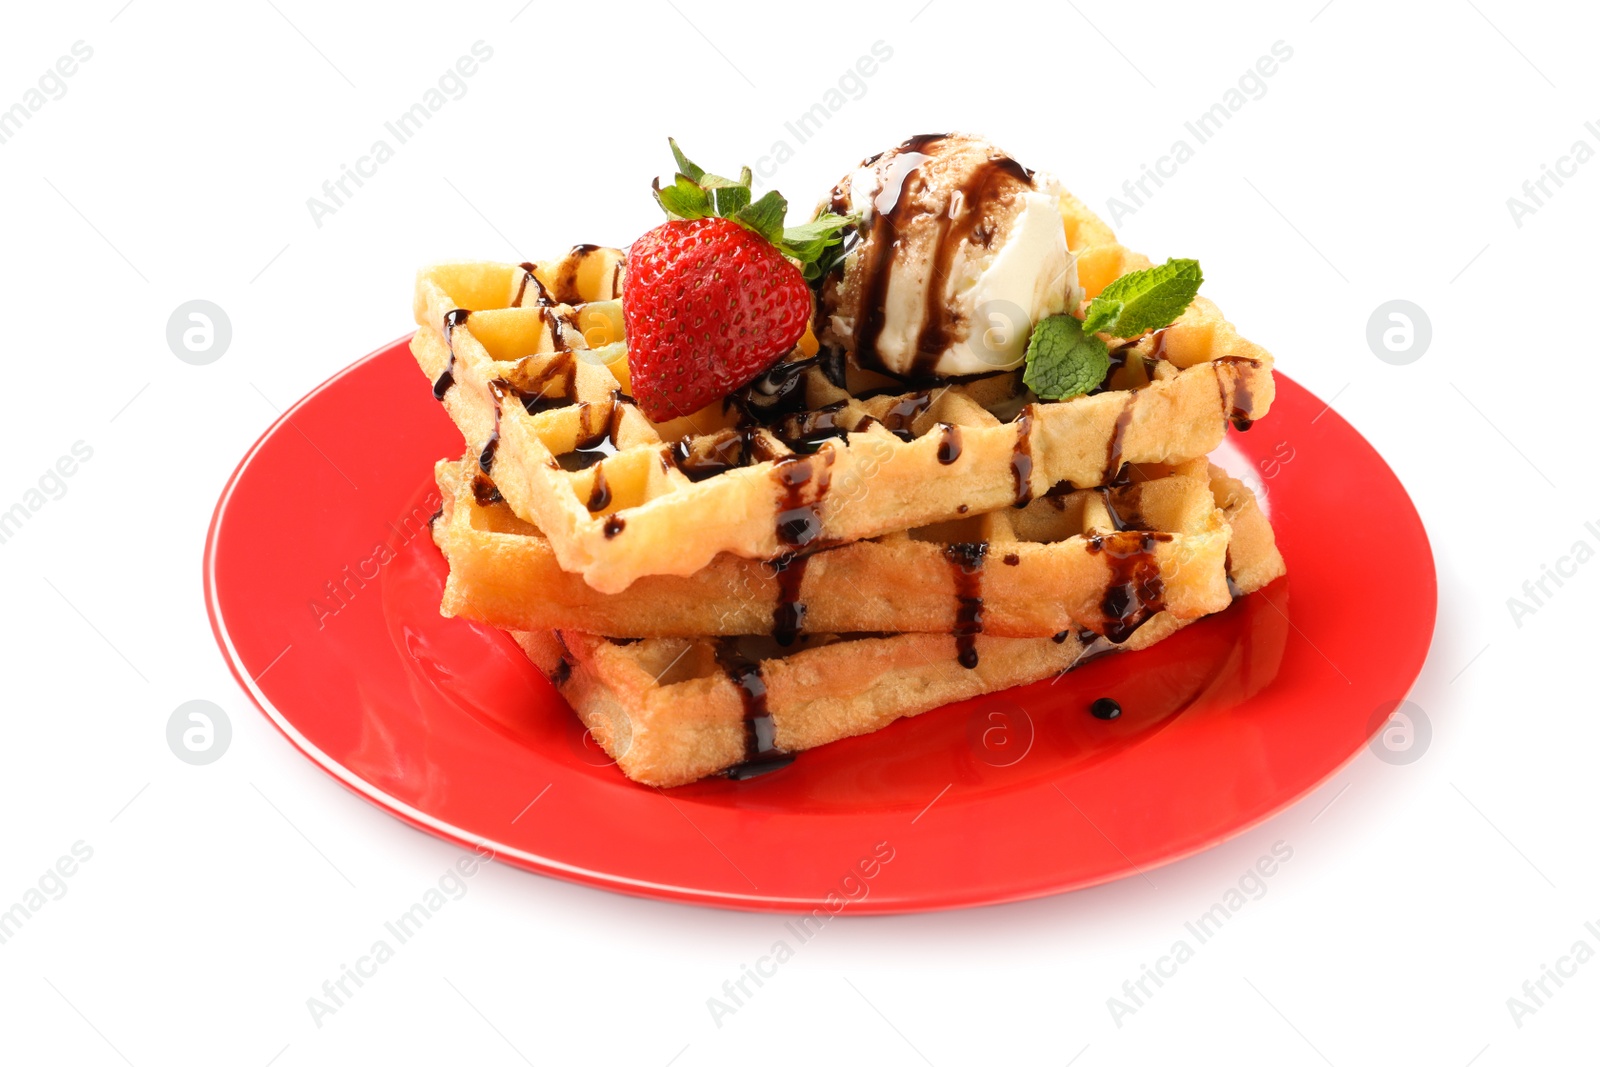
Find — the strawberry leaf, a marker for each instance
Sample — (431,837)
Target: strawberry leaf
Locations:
(765,216)
(697,194)
(683,199)
(728,200)
(687,169)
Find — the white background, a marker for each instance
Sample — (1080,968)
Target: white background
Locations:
(1376,166)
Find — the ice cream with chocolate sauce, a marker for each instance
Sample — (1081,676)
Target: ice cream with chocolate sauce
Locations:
(961,250)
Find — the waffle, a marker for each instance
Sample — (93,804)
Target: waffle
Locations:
(1101,560)
(672,710)
(530,363)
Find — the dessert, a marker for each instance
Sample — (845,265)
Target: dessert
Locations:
(948,418)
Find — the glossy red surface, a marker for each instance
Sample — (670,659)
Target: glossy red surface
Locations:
(323,588)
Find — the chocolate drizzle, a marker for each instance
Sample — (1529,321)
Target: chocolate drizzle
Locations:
(805,432)
(901,416)
(761,751)
(1114,443)
(966,561)
(800,520)
(597,443)
(1238,401)
(613,526)
(949,443)
(892,209)
(497,393)
(485,492)
(712,456)
(1125,517)
(541,294)
(830,360)
(443,383)
(779,390)
(566,281)
(1022,459)
(972,224)
(789,616)
(1135,592)
(538,392)
(599,490)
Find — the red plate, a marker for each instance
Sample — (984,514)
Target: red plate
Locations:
(323,588)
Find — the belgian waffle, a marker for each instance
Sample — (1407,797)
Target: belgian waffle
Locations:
(1100,560)
(673,710)
(531,364)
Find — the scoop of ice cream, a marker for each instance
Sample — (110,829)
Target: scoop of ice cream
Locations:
(961,250)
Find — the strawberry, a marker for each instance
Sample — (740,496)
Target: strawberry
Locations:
(719,292)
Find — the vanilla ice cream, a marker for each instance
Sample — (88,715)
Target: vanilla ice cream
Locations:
(961,251)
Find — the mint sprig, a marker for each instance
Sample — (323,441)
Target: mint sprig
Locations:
(1066,358)
(1144,300)
(1062,360)
(697,194)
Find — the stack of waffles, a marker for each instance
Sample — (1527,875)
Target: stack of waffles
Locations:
(819,555)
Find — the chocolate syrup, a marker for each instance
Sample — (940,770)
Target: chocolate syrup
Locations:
(1094,646)
(761,747)
(597,444)
(1011,559)
(485,492)
(830,360)
(715,455)
(891,211)
(1135,591)
(1114,444)
(986,182)
(486,457)
(541,294)
(566,284)
(1061,638)
(902,414)
(966,560)
(799,523)
(443,383)
(1237,402)
(562,671)
(537,392)
(789,616)
(949,443)
(1022,458)
(613,526)
(599,491)
(806,432)
(1124,518)
(779,390)
(1105,708)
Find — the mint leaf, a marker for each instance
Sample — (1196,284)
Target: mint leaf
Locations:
(687,169)
(1144,300)
(1063,360)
